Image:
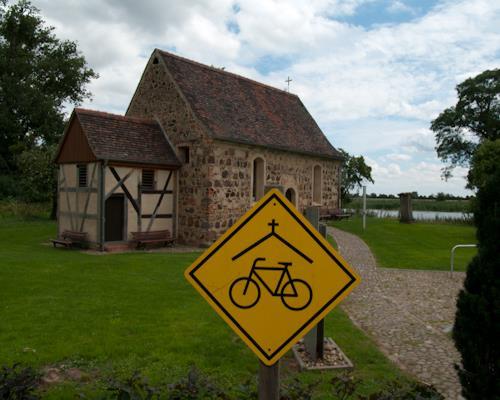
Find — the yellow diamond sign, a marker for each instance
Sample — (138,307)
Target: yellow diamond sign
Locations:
(272,277)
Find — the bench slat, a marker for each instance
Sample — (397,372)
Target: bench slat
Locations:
(162,236)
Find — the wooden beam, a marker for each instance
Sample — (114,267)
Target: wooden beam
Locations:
(139,203)
(87,200)
(101,203)
(157,216)
(68,203)
(155,212)
(78,215)
(150,191)
(125,190)
(120,183)
(58,199)
(81,190)
(143,165)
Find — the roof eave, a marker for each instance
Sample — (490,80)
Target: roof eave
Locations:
(282,148)
(142,163)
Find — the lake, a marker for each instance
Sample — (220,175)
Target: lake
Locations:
(421,215)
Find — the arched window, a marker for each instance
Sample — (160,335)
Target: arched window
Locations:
(290,195)
(258,179)
(317,184)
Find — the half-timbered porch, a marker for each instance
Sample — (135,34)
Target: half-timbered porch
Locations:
(117,177)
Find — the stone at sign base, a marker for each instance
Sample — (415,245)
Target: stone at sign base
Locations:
(333,357)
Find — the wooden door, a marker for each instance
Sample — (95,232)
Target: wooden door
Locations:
(115,218)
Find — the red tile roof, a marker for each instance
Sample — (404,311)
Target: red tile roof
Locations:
(126,139)
(239,109)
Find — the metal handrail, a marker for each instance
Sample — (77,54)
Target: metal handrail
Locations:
(452,260)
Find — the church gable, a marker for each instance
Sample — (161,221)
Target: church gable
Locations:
(94,135)
(75,146)
(158,96)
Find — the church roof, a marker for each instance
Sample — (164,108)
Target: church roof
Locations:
(238,109)
(117,138)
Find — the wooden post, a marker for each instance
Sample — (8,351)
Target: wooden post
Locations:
(102,204)
(269,376)
(314,339)
(405,208)
(364,207)
(269,381)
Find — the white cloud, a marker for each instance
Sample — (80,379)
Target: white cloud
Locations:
(398,157)
(373,90)
(424,177)
(398,6)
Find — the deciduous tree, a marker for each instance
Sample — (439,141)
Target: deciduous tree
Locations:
(354,172)
(474,119)
(39,75)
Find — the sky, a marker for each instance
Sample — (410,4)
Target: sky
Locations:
(372,73)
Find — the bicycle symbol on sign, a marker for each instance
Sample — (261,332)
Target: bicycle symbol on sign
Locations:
(245,292)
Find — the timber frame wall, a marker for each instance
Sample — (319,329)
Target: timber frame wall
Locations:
(82,209)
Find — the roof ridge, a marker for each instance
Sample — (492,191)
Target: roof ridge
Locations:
(116,116)
(224,72)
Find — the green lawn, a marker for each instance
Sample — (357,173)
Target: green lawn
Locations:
(111,315)
(420,245)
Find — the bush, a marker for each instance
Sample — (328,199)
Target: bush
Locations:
(477,328)
(37,174)
(196,387)
(134,388)
(9,186)
(18,383)
(405,391)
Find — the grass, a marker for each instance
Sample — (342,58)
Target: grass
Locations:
(332,242)
(418,204)
(420,245)
(110,315)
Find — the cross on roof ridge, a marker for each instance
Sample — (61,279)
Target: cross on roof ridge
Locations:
(273,224)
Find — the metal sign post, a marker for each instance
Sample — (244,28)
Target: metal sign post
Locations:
(364,207)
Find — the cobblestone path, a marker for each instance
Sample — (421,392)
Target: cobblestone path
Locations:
(409,313)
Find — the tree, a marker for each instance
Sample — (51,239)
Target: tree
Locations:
(474,119)
(39,75)
(354,172)
(477,321)
(38,174)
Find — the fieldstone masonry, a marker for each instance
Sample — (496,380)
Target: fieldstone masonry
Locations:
(214,188)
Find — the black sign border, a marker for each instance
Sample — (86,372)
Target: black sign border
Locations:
(298,331)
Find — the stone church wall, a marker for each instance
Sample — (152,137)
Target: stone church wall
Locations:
(157,97)
(230,173)
(215,186)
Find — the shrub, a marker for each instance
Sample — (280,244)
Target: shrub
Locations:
(37,174)
(405,391)
(477,328)
(9,186)
(196,386)
(134,388)
(18,383)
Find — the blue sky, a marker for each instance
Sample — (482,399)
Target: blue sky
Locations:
(373,73)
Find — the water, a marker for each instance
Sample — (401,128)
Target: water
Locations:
(421,215)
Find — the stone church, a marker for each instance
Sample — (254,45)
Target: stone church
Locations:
(196,148)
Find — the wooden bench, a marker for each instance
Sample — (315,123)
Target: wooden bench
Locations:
(332,213)
(143,238)
(71,238)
